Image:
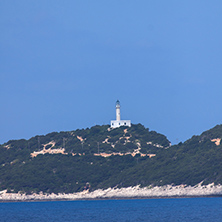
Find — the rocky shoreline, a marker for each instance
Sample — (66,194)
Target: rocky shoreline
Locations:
(167,191)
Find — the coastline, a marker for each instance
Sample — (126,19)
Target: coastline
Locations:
(157,192)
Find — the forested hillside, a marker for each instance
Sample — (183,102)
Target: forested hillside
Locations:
(101,157)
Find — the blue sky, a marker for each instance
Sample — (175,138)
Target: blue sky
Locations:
(63,65)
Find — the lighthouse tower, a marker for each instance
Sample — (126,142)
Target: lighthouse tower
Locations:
(117,110)
(118,122)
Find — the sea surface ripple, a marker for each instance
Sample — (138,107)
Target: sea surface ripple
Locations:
(173,210)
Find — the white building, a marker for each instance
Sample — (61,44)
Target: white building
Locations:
(118,122)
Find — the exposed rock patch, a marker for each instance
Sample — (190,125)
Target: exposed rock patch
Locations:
(129,192)
(216,141)
(80,138)
(49,150)
(122,154)
(7,147)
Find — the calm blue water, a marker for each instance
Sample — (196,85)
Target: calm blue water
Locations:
(189,209)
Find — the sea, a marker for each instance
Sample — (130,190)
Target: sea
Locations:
(172,210)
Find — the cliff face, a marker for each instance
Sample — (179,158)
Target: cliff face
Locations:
(100,157)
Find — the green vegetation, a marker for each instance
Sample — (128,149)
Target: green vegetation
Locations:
(196,160)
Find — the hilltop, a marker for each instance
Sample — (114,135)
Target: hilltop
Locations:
(100,157)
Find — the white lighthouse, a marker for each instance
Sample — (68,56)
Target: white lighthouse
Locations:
(118,122)
(117,110)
